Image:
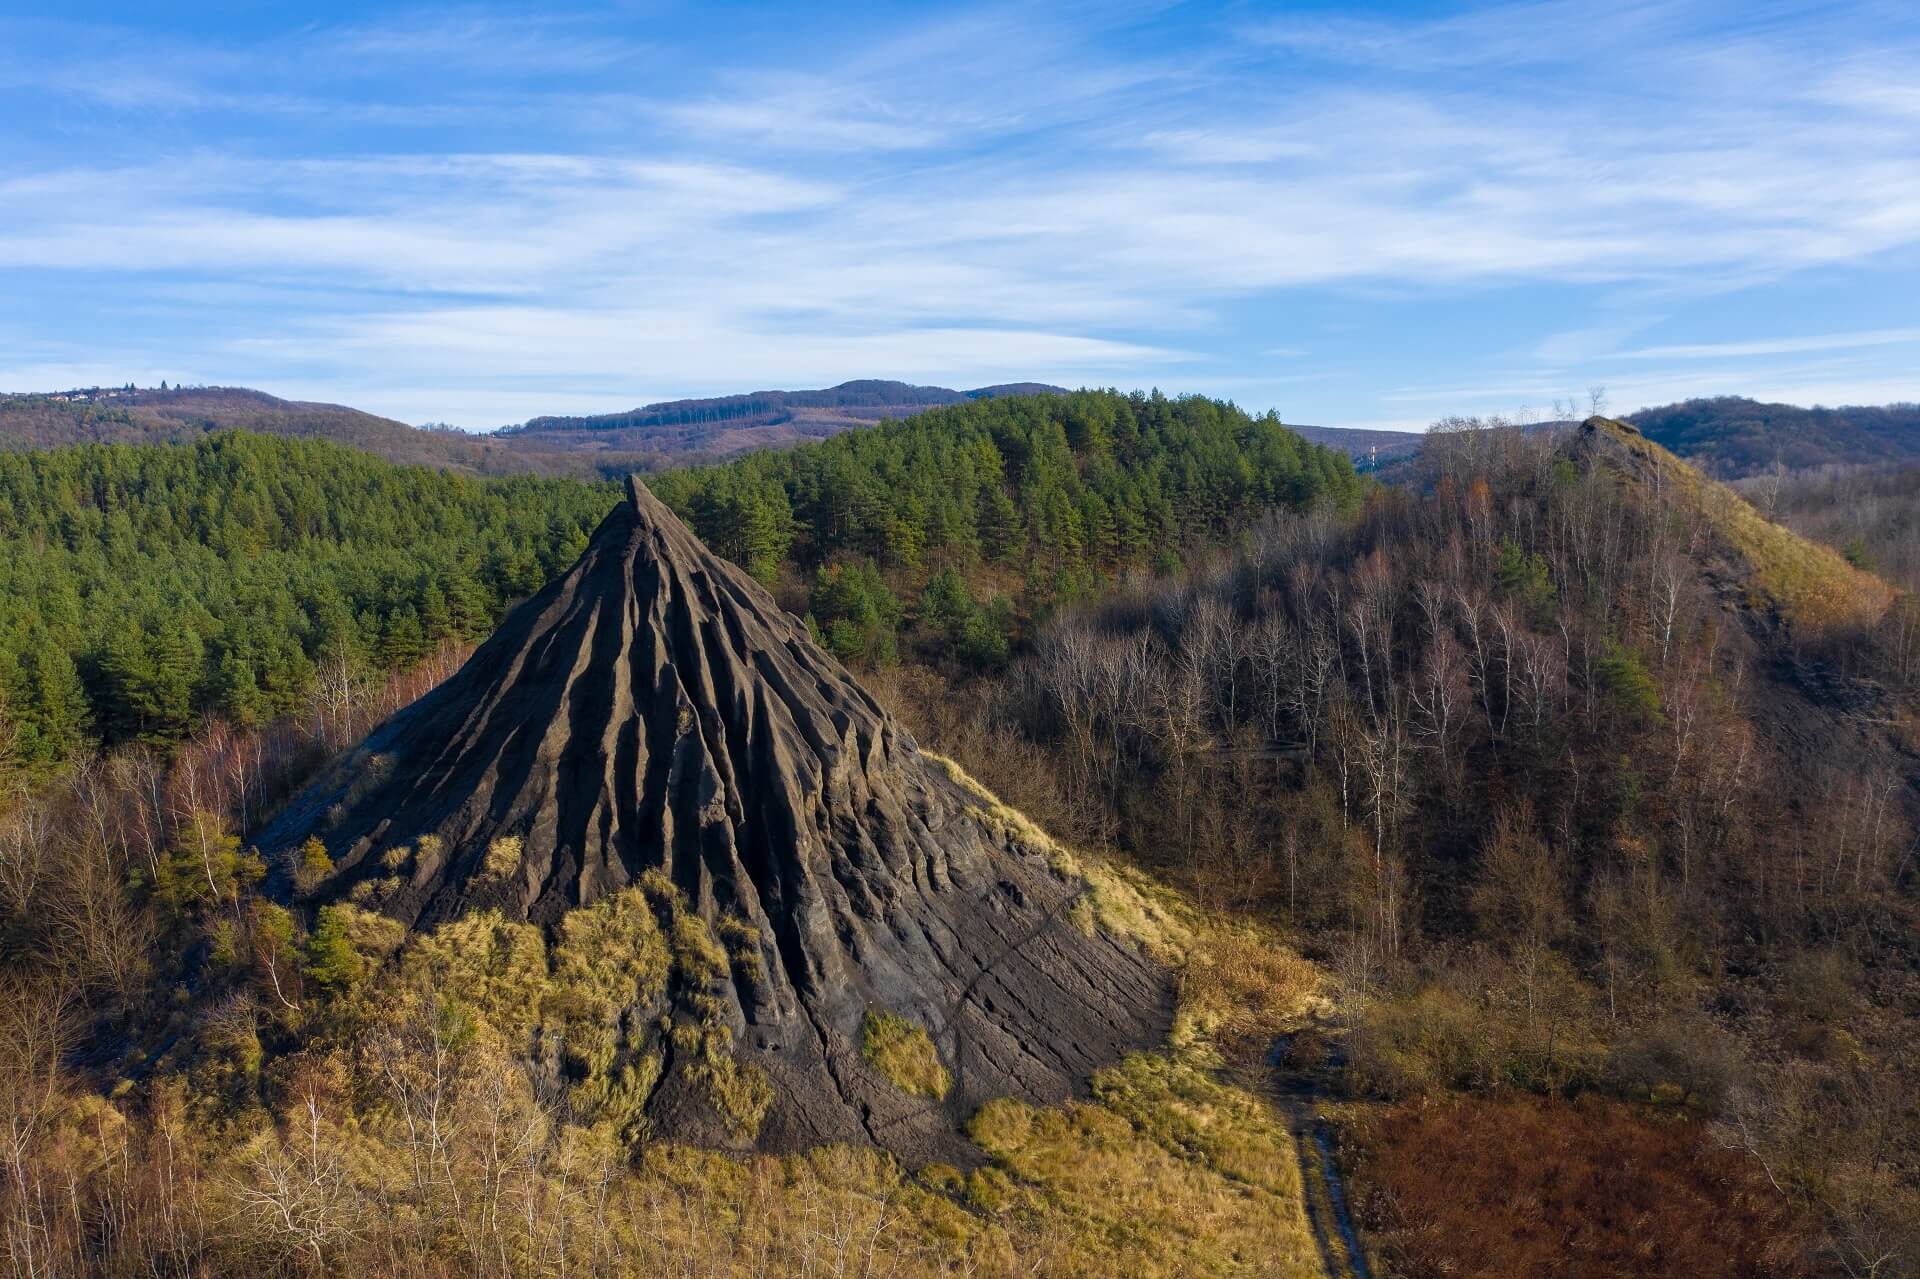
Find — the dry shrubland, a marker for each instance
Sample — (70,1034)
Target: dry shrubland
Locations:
(1568,765)
(1592,1190)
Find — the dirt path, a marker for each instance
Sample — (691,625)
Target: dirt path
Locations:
(1299,1090)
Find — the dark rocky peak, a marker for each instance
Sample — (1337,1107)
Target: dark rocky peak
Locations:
(653,717)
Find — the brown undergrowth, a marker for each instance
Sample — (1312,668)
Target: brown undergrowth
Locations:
(1585,1190)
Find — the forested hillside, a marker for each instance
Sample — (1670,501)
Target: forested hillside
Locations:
(960,521)
(1731,436)
(144,587)
(1870,514)
(185,414)
(1369,449)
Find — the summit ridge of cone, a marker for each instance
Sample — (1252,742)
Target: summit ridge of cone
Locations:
(652,715)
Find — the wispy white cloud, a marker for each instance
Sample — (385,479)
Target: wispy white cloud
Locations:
(812,112)
(1778,346)
(482,360)
(475,41)
(1227,147)
(1584,345)
(1841,380)
(941,197)
(1486,39)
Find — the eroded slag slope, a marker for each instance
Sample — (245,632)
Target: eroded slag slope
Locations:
(654,717)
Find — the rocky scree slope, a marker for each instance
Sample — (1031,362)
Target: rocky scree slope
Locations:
(652,717)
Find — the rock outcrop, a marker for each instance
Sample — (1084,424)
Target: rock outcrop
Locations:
(654,710)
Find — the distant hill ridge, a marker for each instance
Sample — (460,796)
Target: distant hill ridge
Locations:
(649,438)
(1727,436)
(1366,447)
(1730,436)
(185,414)
(860,394)
(722,426)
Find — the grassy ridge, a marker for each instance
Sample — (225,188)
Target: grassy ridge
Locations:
(1809,584)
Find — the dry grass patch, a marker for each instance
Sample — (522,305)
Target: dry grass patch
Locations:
(1240,988)
(492,965)
(503,857)
(589,1002)
(1165,1173)
(902,1050)
(740,1093)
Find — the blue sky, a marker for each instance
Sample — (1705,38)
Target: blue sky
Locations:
(1356,215)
